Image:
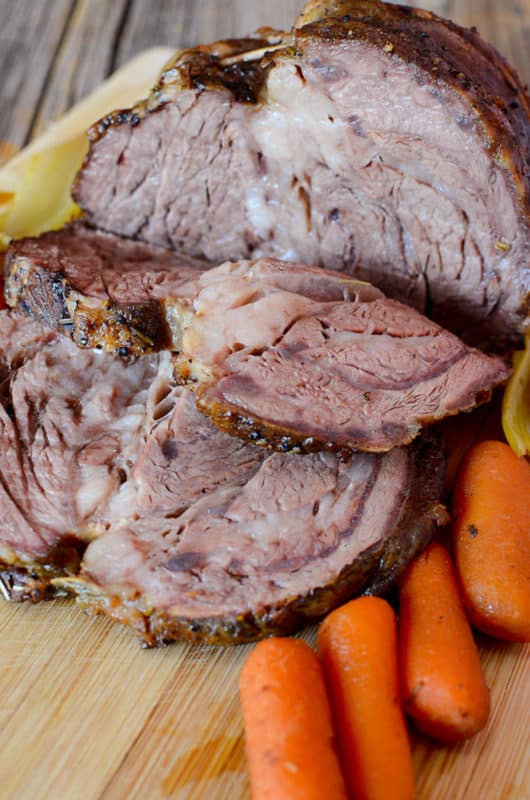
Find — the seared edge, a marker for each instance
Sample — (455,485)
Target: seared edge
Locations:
(239,66)
(374,572)
(46,296)
(259,431)
(18,584)
(21,579)
(38,287)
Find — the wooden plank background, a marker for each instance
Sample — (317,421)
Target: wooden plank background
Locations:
(85,714)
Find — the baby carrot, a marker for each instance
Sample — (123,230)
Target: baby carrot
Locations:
(357,645)
(465,430)
(491,534)
(288,726)
(443,686)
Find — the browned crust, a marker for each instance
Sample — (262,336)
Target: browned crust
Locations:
(127,330)
(18,584)
(131,329)
(33,580)
(222,65)
(36,293)
(374,572)
(199,68)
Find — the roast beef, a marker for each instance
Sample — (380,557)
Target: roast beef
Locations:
(376,139)
(102,290)
(292,372)
(193,533)
(288,356)
(274,542)
(70,425)
(109,292)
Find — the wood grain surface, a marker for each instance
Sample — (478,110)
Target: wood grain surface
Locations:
(85,714)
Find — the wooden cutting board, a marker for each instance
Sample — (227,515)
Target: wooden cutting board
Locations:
(86,714)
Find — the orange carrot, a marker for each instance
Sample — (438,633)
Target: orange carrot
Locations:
(357,645)
(465,430)
(443,686)
(288,726)
(491,534)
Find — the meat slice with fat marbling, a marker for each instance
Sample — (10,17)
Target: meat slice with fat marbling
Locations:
(291,372)
(191,533)
(273,542)
(70,426)
(376,139)
(285,355)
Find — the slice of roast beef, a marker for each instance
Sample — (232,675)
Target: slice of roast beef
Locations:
(101,289)
(117,294)
(376,139)
(364,379)
(230,543)
(292,372)
(70,425)
(288,356)
(194,534)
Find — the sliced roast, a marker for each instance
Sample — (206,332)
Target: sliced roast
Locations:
(291,372)
(286,355)
(70,426)
(375,139)
(117,294)
(274,542)
(193,533)
(102,290)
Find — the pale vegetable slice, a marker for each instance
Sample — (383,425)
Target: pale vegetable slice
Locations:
(35,184)
(43,202)
(516,404)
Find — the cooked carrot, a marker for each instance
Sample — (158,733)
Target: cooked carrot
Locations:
(357,645)
(491,534)
(288,726)
(465,430)
(442,683)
